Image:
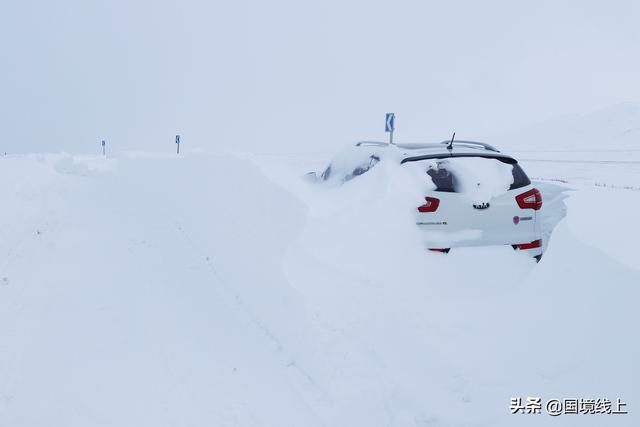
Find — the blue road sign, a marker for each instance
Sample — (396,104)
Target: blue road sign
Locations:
(388,122)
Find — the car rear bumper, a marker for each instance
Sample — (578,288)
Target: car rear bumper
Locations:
(530,244)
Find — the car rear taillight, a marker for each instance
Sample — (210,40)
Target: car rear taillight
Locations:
(531,199)
(531,245)
(431,205)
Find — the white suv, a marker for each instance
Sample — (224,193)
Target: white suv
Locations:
(477,197)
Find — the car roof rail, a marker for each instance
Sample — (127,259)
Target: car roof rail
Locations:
(473,144)
(374,143)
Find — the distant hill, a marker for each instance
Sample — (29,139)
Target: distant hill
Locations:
(613,128)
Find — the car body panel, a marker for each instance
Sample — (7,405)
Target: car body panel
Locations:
(458,223)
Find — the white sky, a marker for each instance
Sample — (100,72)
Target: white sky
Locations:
(295,75)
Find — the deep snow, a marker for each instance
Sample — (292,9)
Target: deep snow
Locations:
(223,289)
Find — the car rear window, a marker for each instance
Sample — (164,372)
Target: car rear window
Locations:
(520,179)
(443,179)
(446,181)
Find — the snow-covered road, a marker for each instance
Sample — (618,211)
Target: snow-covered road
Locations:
(151,290)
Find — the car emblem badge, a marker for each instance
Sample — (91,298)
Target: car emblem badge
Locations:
(482,205)
(516,220)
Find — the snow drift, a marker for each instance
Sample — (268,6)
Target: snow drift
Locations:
(225,290)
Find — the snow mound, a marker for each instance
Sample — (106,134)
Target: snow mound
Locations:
(222,290)
(418,338)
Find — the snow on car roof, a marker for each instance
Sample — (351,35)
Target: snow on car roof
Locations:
(474,145)
(423,151)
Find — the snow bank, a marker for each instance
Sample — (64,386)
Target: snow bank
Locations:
(415,338)
(217,290)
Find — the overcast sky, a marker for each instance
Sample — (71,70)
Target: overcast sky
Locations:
(295,75)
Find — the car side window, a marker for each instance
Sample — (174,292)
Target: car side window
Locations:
(357,171)
(326,174)
(373,159)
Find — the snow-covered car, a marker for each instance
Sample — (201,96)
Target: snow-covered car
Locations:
(475,195)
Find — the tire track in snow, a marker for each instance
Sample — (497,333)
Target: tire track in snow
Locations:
(288,362)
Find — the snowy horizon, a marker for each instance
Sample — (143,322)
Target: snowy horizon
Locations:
(284,76)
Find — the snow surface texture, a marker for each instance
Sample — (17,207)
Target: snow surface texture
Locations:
(153,290)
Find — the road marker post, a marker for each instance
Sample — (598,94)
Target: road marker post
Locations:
(389,125)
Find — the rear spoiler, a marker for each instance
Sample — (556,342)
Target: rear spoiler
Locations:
(487,155)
